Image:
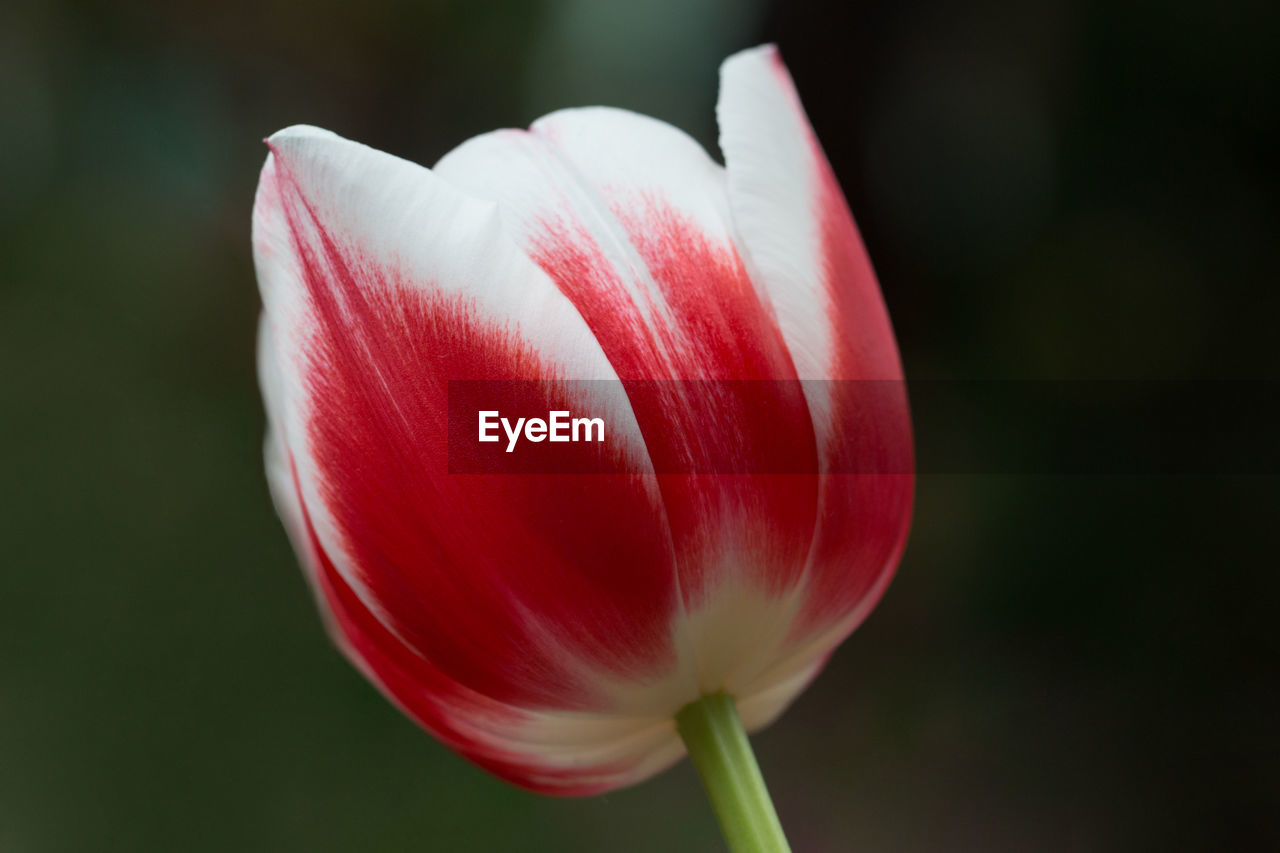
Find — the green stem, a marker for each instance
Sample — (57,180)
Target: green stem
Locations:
(720,751)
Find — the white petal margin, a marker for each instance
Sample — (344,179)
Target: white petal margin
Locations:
(774,185)
(276,456)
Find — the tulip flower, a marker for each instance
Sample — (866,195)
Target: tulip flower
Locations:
(574,633)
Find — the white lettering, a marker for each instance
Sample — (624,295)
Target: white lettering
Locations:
(486,424)
(559,424)
(558,427)
(587,424)
(512,434)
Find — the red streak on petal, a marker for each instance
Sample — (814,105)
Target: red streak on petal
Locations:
(451,712)
(712,386)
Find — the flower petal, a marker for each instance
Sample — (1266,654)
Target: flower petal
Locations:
(380,284)
(801,244)
(629,217)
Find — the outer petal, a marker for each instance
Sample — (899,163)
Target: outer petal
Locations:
(525,620)
(629,217)
(799,240)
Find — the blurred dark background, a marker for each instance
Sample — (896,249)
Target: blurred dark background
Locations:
(1048,189)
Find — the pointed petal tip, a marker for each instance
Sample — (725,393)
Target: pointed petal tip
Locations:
(296,135)
(760,54)
(300,131)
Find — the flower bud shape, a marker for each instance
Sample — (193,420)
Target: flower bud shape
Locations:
(549,626)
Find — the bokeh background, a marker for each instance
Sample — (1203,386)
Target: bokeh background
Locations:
(1049,190)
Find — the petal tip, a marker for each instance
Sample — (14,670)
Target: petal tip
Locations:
(293,136)
(554,123)
(766,54)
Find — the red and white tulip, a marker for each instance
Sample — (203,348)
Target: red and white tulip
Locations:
(550,626)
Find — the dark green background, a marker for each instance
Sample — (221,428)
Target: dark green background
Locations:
(1049,190)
